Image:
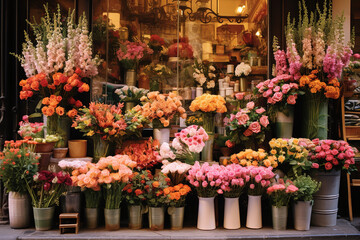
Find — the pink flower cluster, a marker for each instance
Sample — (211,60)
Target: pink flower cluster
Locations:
(335,62)
(281,64)
(259,179)
(234,178)
(282,187)
(193,136)
(28,129)
(329,154)
(281,192)
(294,62)
(279,89)
(133,51)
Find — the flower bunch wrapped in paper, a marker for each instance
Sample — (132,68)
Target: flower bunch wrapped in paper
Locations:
(208,105)
(135,190)
(28,129)
(281,192)
(160,108)
(143,152)
(205,75)
(186,145)
(176,171)
(131,94)
(234,180)
(247,124)
(250,157)
(130,53)
(206,179)
(332,154)
(260,178)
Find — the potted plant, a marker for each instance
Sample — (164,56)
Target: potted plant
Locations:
(45,190)
(280,194)
(208,105)
(45,147)
(259,180)
(18,163)
(234,181)
(157,200)
(303,198)
(158,75)
(160,109)
(186,145)
(206,180)
(135,195)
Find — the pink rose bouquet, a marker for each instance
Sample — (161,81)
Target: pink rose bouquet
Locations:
(247,124)
(28,129)
(186,146)
(332,154)
(130,53)
(234,180)
(206,179)
(259,179)
(281,192)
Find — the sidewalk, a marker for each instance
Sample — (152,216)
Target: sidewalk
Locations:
(343,230)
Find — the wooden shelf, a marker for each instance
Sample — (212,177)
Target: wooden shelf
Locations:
(352,112)
(353,138)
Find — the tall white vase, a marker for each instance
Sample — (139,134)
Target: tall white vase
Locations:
(162,135)
(254,218)
(232,213)
(206,214)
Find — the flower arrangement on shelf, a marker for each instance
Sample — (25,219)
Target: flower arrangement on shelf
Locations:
(160,108)
(28,129)
(156,43)
(307,187)
(194,120)
(155,195)
(281,192)
(247,124)
(208,105)
(158,74)
(46,188)
(205,179)
(130,53)
(250,157)
(332,154)
(115,174)
(18,163)
(260,178)
(135,190)
(242,70)
(234,180)
(185,49)
(131,94)
(144,152)
(186,146)
(205,75)
(292,155)
(175,171)
(177,195)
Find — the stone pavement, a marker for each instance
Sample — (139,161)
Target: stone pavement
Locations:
(343,230)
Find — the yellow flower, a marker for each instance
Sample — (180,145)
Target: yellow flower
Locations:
(87,122)
(281,159)
(90,133)
(273,151)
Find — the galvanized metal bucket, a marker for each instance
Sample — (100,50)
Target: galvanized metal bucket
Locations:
(176,217)
(156,218)
(91,217)
(135,217)
(112,219)
(279,217)
(302,215)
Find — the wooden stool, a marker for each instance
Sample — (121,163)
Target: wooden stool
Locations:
(69,221)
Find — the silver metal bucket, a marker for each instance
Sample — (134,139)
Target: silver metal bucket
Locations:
(156,218)
(279,217)
(112,219)
(91,217)
(302,215)
(135,217)
(176,217)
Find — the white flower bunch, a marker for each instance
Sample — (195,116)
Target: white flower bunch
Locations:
(65,164)
(59,48)
(131,93)
(204,74)
(174,167)
(166,152)
(242,70)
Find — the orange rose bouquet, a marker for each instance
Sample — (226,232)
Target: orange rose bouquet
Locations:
(161,108)
(249,157)
(177,195)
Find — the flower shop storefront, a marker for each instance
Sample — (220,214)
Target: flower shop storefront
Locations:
(174,116)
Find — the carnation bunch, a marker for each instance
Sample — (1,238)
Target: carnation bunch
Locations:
(242,70)
(247,124)
(250,157)
(161,108)
(177,195)
(186,145)
(28,129)
(206,179)
(136,189)
(281,192)
(260,178)
(234,180)
(205,75)
(130,53)
(332,154)
(176,171)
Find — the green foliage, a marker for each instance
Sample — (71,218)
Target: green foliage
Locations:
(92,198)
(307,188)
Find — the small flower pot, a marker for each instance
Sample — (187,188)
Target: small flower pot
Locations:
(44,147)
(60,152)
(162,135)
(206,214)
(302,215)
(232,213)
(43,218)
(254,217)
(77,148)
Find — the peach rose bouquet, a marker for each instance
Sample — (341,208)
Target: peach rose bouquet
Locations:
(161,108)
(247,125)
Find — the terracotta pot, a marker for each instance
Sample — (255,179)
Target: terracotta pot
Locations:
(44,147)
(77,148)
(60,152)
(44,160)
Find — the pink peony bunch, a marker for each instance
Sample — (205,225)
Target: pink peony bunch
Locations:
(206,179)
(281,192)
(234,178)
(130,53)
(259,179)
(332,154)
(279,90)
(28,129)
(249,122)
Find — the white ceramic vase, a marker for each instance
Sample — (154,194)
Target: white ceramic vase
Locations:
(254,218)
(231,213)
(206,214)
